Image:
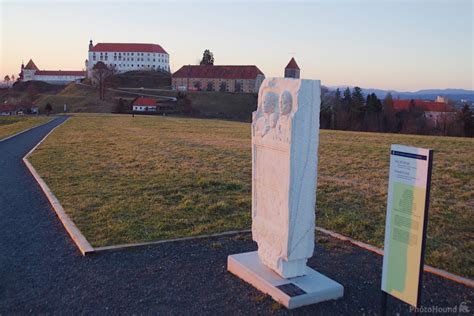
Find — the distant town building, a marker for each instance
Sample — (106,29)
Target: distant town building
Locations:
(125,57)
(434,111)
(7,109)
(292,70)
(441,99)
(246,79)
(31,72)
(18,108)
(144,105)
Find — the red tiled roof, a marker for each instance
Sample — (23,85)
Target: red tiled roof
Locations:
(7,107)
(78,73)
(218,72)
(128,47)
(145,102)
(400,105)
(31,65)
(292,64)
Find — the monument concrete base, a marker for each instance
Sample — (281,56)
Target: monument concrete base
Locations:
(293,292)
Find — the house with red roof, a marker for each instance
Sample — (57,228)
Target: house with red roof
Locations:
(7,109)
(125,57)
(142,104)
(224,78)
(32,72)
(434,111)
(18,108)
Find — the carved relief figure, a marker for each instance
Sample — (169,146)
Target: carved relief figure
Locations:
(284,123)
(269,118)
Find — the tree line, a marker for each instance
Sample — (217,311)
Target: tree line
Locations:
(352,110)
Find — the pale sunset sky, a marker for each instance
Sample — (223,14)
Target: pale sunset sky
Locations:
(401,45)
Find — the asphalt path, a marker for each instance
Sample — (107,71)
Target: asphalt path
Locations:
(41,270)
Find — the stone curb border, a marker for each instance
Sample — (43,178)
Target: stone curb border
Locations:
(426,268)
(81,242)
(24,131)
(148,243)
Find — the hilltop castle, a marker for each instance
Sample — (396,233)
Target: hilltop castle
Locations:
(122,57)
(125,57)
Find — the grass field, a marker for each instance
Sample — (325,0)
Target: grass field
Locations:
(10,125)
(125,179)
(78,98)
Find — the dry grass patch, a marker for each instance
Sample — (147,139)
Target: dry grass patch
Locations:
(125,179)
(10,125)
(352,192)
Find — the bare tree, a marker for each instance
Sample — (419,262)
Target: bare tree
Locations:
(100,73)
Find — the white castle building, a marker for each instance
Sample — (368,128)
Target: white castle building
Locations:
(31,72)
(127,56)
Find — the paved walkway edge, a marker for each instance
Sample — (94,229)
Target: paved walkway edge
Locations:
(81,242)
(24,131)
(426,268)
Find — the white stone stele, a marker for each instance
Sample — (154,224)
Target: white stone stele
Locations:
(285,137)
(316,287)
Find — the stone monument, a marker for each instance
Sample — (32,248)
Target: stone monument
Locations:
(285,137)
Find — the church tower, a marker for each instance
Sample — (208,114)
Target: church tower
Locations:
(292,70)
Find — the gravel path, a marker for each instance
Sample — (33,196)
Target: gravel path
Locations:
(41,271)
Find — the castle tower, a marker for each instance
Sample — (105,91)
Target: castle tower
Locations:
(29,71)
(292,70)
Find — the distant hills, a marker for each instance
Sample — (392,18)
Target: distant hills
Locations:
(428,94)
